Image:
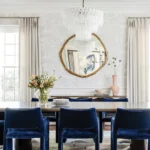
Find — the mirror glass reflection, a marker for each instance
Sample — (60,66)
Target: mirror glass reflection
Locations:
(83,58)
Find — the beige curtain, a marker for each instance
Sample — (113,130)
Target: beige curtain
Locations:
(137,61)
(29,57)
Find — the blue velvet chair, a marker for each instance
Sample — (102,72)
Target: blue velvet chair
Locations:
(37,100)
(80,99)
(78,124)
(106,99)
(107,116)
(77,100)
(1,131)
(25,124)
(130,124)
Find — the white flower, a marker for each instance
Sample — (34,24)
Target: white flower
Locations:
(42,81)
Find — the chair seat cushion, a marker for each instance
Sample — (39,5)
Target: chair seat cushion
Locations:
(133,134)
(21,133)
(74,133)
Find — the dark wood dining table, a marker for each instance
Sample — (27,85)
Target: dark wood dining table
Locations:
(99,106)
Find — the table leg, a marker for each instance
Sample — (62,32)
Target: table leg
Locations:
(101,127)
(57,128)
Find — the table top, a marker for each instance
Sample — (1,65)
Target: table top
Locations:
(99,106)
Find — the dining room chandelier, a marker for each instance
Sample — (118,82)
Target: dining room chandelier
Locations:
(83,21)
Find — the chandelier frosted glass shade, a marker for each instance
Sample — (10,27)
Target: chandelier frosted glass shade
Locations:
(83,21)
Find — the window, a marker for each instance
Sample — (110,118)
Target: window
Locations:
(9,62)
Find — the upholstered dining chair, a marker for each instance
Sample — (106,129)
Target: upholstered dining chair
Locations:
(107,116)
(1,131)
(25,124)
(80,99)
(37,100)
(130,124)
(78,124)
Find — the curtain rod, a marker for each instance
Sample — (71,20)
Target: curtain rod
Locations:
(19,17)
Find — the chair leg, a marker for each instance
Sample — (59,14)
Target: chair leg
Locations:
(4,143)
(57,126)
(97,144)
(101,126)
(46,142)
(42,146)
(60,144)
(8,145)
(113,143)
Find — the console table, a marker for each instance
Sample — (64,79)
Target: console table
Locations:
(79,96)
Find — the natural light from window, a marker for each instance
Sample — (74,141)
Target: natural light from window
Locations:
(9,62)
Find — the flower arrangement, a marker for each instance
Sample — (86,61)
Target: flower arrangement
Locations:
(42,82)
(115,64)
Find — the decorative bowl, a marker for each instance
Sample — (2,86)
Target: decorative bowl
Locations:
(100,91)
(60,101)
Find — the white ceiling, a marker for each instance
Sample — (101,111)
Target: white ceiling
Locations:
(74,1)
(140,6)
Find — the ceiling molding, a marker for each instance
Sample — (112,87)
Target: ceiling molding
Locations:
(75,2)
(58,7)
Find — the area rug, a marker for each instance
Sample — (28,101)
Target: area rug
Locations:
(81,144)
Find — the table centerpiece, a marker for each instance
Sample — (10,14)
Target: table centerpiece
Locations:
(43,83)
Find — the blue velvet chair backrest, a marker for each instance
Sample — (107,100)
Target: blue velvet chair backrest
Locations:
(78,119)
(105,99)
(132,119)
(37,100)
(80,99)
(23,118)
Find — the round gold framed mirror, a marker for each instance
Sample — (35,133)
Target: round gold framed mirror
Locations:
(83,59)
